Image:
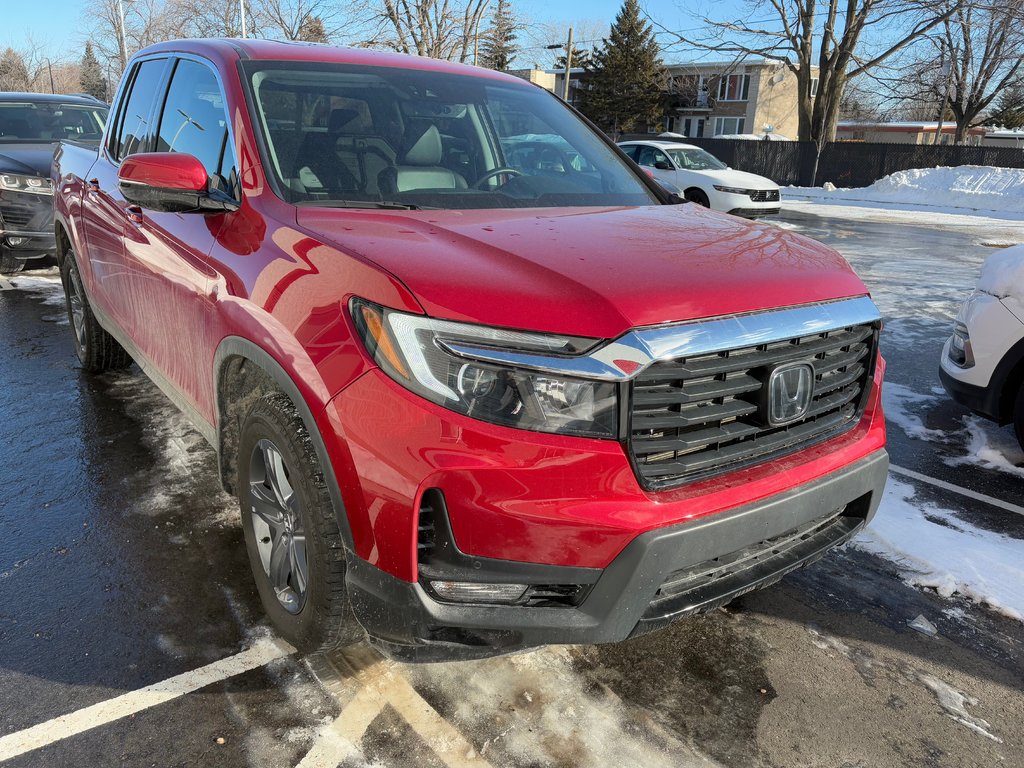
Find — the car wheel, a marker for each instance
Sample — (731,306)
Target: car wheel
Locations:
(698,196)
(97,350)
(8,264)
(1018,417)
(291,531)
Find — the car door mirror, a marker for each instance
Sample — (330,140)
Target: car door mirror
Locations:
(171,182)
(663,165)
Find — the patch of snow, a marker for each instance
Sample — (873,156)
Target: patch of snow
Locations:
(973,187)
(46,284)
(935,548)
(753,136)
(1003,273)
(902,404)
(990,447)
(955,703)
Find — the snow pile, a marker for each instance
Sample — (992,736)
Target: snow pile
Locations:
(1003,273)
(935,548)
(973,187)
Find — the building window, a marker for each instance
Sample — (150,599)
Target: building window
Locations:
(734,88)
(728,125)
(814,87)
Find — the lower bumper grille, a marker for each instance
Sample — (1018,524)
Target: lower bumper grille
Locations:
(764,196)
(692,418)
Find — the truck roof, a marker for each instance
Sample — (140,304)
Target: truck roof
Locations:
(275,50)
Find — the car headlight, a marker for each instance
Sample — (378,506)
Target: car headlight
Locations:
(412,350)
(33,184)
(960,350)
(732,190)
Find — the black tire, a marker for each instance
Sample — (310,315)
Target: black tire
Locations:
(8,264)
(1018,417)
(97,350)
(697,196)
(316,615)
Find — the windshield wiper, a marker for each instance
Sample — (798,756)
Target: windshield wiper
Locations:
(362,204)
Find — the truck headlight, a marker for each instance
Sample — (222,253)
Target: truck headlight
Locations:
(960,351)
(35,185)
(411,350)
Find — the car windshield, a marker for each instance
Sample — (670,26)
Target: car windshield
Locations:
(49,121)
(694,159)
(355,136)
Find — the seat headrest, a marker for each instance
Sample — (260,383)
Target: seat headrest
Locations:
(423,146)
(339,119)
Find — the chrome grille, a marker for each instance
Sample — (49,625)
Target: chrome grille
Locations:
(694,417)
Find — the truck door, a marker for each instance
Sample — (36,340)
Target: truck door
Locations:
(104,209)
(167,252)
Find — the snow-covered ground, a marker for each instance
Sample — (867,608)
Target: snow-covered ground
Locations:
(965,191)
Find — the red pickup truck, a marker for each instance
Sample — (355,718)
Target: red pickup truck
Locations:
(478,383)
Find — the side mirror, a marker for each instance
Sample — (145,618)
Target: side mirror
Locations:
(172,182)
(661,165)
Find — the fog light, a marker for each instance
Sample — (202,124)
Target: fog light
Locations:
(14,242)
(475,592)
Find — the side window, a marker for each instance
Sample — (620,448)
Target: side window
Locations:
(630,151)
(133,127)
(649,156)
(194,121)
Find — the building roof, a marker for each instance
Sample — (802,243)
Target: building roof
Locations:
(903,126)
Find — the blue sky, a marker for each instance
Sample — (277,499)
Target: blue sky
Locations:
(57,23)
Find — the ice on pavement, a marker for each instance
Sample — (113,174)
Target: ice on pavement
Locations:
(955,703)
(1003,273)
(990,447)
(902,406)
(935,548)
(972,187)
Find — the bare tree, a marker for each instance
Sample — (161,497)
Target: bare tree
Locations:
(441,29)
(823,35)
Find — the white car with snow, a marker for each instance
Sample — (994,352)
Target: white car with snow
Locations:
(982,365)
(705,179)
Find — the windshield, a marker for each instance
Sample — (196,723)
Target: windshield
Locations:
(694,159)
(338,134)
(28,121)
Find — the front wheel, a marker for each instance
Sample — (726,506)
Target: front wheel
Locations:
(291,533)
(1018,417)
(698,196)
(8,264)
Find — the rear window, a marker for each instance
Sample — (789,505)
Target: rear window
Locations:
(48,122)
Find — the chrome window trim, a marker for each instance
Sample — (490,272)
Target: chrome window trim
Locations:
(639,349)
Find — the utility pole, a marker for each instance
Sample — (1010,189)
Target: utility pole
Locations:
(568,67)
(241,6)
(121,35)
(49,66)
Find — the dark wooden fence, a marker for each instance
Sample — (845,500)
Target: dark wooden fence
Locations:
(845,164)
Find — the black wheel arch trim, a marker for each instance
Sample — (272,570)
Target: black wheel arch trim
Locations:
(1006,381)
(236,346)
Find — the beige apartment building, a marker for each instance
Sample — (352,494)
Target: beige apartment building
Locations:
(710,98)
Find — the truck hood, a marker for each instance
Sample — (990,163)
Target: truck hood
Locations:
(26,159)
(586,271)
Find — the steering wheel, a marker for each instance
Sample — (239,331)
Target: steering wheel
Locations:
(491,174)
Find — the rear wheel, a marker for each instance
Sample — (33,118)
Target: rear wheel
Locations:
(291,532)
(698,196)
(97,350)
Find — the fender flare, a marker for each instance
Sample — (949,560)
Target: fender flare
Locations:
(236,346)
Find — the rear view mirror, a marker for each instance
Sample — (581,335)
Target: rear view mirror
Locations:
(170,181)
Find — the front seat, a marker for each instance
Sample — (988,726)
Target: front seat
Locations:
(317,164)
(419,165)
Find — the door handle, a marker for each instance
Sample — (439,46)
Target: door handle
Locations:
(94,186)
(134,214)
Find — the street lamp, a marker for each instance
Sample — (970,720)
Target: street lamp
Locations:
(241,8)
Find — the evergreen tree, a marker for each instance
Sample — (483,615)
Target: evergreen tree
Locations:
(581,57)
(312,30)
(13,72)
(91,79)
(1009,111)
(499,42)
(627,77)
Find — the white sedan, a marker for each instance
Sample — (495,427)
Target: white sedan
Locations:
(705,179)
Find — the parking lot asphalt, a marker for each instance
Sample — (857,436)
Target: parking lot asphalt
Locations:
(131,633)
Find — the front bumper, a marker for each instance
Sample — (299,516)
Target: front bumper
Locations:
(26,224)
(661,576)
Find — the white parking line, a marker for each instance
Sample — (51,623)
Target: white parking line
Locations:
(967,493)
(260,654)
